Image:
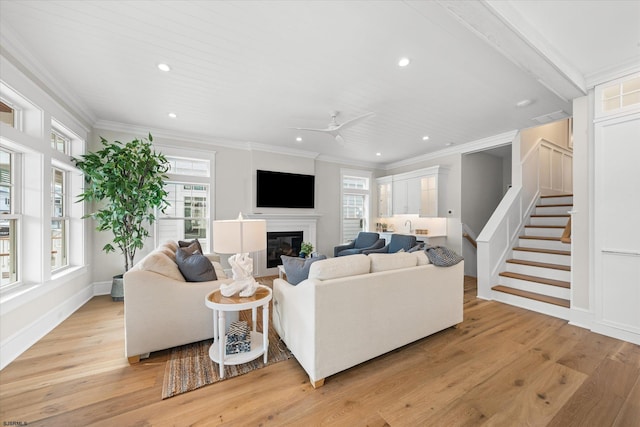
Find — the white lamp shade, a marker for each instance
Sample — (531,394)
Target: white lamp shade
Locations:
(237,236)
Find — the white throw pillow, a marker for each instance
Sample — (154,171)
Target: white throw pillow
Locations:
(344,266)
(384,262)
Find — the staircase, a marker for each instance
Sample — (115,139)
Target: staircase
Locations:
(539,274)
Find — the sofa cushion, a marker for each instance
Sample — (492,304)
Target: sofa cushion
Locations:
(195,267)
(394,261)
(297,269)
(159,262)
(171,244)
(220,274)
(422,257)
(334,268)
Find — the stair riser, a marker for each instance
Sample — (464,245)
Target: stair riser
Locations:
(542,257)
(547,273)
(544,232)
(556,200)
(540,307)
(544,244)
(539,288)
(552,210)
(549,221)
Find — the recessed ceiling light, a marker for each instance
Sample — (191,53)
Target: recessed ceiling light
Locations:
(524,103)
(378,154)
(173,115)
(403,62)
(425,138)
(164,67)
(299,139)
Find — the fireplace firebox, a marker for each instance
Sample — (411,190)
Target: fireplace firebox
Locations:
(282,243)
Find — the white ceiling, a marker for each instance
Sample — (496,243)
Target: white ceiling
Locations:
(247,71)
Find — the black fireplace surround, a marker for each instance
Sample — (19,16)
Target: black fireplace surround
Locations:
(282,243)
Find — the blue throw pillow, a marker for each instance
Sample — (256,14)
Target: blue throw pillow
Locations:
(297,269)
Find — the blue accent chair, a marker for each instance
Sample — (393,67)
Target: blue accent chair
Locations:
(364,240)
(397,243)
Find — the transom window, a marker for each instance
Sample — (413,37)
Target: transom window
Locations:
(7,114)
(59,142)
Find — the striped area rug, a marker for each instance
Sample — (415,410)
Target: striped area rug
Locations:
(189,366)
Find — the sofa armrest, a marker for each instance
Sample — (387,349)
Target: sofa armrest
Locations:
(381,250)
(213,257)
(339,248)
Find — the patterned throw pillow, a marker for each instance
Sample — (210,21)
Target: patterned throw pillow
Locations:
(192,246)
(442,256)
(297,269)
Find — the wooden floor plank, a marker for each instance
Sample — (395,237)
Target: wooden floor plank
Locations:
(503,365)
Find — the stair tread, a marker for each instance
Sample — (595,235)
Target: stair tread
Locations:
(545,251)
(532,295)
(555,239)
(554,206)
(550,215)
(551,196)
(544,226)
(540,264)
(552,282)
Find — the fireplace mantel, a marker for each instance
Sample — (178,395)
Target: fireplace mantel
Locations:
(305,222)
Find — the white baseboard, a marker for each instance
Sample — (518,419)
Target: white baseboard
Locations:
(581,318)
(101,288)
(19,342)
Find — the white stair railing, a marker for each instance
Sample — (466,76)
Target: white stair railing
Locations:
(499,235)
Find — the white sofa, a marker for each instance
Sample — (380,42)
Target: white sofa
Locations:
(161,309)
(354,308)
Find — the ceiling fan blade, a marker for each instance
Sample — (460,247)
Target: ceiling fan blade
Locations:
(340,139)
(354,120)
(314,130)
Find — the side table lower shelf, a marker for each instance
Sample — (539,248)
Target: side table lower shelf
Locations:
(257,349)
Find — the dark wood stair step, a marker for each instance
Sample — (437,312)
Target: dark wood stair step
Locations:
(550,216)
(540,264)
(555,206)
(543,251)
(544,226)
(543,280)
(532,295)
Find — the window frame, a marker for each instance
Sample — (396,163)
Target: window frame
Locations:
(64,218)
(14,217)
(366,192)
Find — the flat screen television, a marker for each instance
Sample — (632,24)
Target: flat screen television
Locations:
(284,190)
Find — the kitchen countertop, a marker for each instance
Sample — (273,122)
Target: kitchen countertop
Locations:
(411,234)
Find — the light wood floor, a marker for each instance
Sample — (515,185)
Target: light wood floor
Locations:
(503,366)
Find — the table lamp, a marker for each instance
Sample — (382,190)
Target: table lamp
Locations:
(240,236)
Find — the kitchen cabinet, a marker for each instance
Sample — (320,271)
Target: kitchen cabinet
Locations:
(385,196)
(420,192)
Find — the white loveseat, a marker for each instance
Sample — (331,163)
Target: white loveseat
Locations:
(354,308)
(161,309)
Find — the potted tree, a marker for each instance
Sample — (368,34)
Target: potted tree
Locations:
(126,182)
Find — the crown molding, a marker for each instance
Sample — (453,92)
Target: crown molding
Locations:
(469,147)
(348,162)
(17,54)
(627,68)
(258,146)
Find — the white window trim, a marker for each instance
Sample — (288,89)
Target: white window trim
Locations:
(344,172)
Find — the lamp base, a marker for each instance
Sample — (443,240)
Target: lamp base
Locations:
(243,281)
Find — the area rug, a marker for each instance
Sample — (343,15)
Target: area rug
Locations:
(189,366)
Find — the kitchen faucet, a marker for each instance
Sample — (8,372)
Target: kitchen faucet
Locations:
(405,224)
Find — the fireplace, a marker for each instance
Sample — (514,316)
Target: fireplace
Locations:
(282,243)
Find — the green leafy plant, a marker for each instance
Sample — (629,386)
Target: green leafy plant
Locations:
(127,182)
(306,247)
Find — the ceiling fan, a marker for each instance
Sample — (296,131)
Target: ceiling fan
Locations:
(334,127)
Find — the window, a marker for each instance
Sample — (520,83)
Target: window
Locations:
(187,216)
(355,203)
(59,219)
(8,221)
(7,114)
(60,142)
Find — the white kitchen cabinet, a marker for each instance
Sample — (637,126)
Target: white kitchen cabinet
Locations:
(385,196)
(420,192)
